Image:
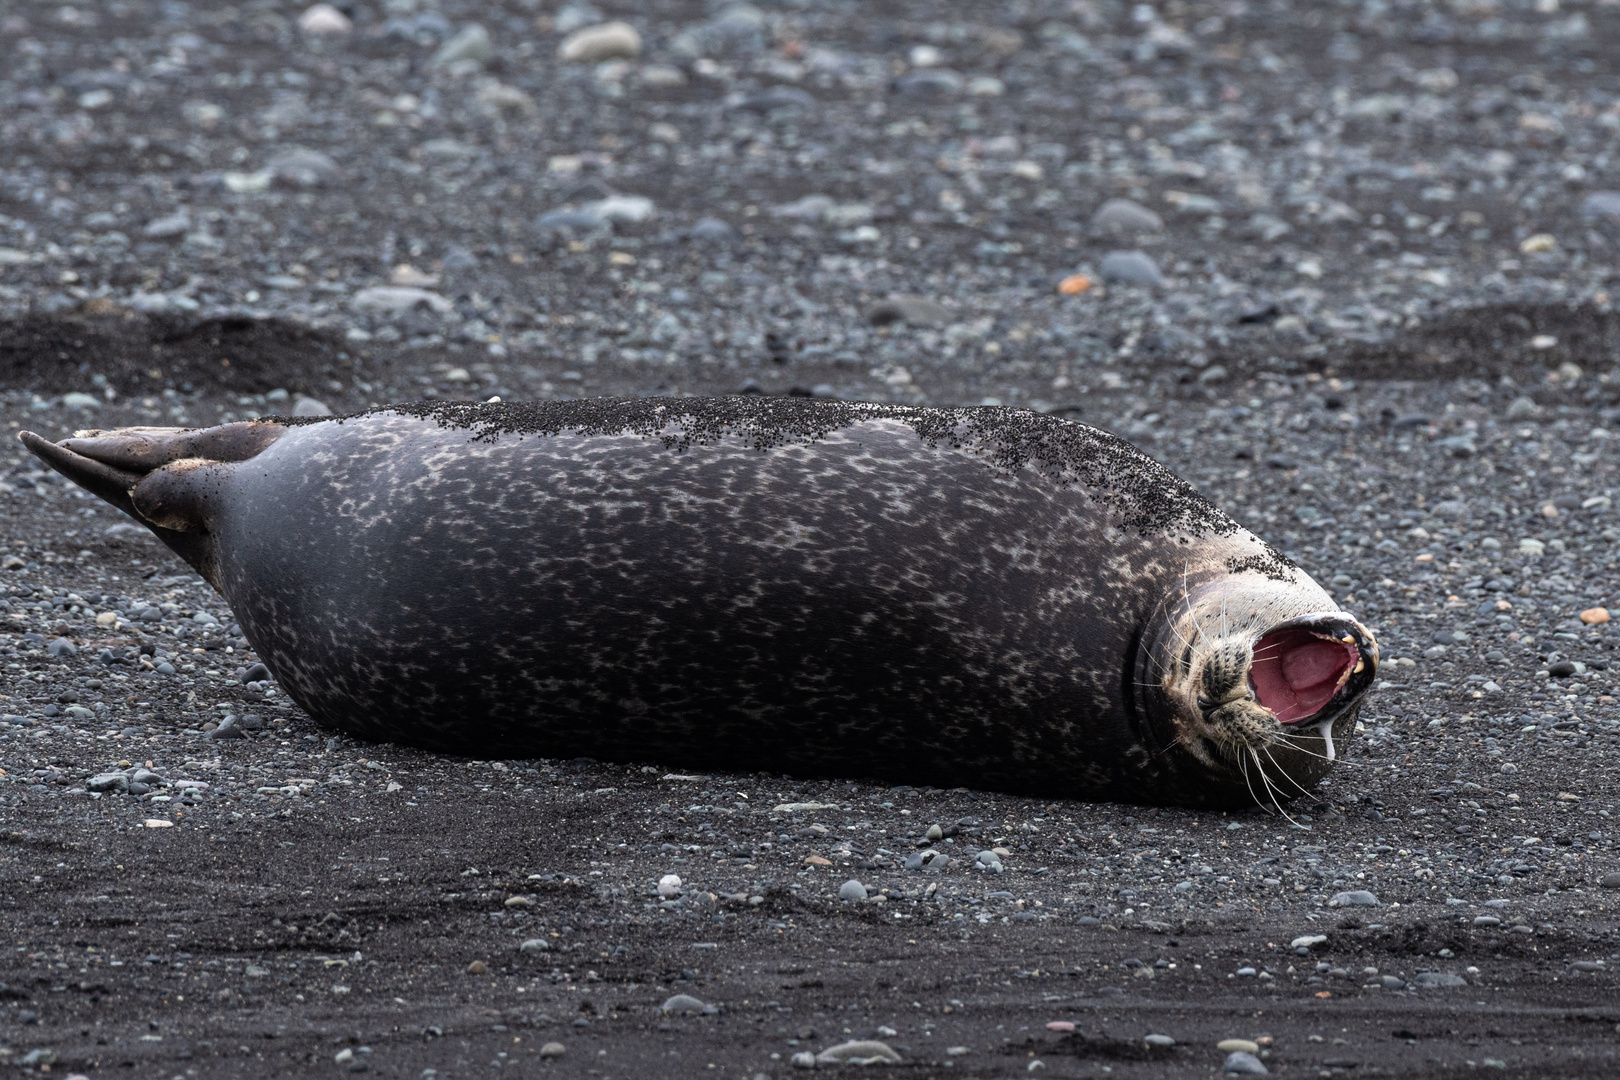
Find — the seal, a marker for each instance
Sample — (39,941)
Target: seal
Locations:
(983,597)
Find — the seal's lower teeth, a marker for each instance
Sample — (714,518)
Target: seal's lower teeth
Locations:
(1296,672)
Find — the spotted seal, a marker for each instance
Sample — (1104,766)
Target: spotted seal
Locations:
(986,597)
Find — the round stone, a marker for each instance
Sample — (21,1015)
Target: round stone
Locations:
(852,890)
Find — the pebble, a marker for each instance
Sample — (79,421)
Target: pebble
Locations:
(396,300)
(1437,979)
(308,406)
(669,886)
(1602,204)
(927,860)
(1074,285)
(804,1059)
(1596,616)
(62,647)
(167,228)
(299,167)
(324,19)
(1060,1026)
(113,781)
(1611,880)
(1130,268)
(1123,217)
(255,673)
(683,1003)
(471,44)
(912,310)
(1307,941)
(711,230)
(477,967)
(852,890)
(535,944)
(934,834)
(594,44)
(1160,1041)
(553,1049)
(1354,898)
(859,1052)
(1237,1046)
(1243,1063)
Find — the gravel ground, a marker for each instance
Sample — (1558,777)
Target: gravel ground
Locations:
(1359,295)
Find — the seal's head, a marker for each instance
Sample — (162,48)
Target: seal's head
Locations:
(1264,678)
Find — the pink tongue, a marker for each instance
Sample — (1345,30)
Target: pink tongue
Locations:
(1296,673)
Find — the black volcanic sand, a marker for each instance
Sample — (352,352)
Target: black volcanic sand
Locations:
(1411,389)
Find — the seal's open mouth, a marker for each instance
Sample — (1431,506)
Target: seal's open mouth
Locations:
(1297,671)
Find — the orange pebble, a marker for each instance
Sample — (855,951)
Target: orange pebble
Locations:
(1074,285)
(1595,616)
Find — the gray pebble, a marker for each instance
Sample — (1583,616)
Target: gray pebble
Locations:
(1354,898)
(112,781)
(61,647)
(803,1060)
(1122,217)
(1242,1063)
(1602,204)
(1160,1041)
(1130,268)
(852,890)
(535,944)
(1434,979)
(308,406)
(1611,880)
(682,1003)
(914,310)
(472,44)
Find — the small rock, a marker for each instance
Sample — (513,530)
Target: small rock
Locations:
(1237,1046)
(1602,204)
(683,1003)
(1160,1041)
(79,400)
(255,673)
(1595,616)
(167,228)
(669,886)
(477,967)
(859,1052)
(711,230)
(113,781)
(62,647)
(1122,217)
(298,167)
(1130,268)
(1063,1027)
(1307,941)
(1354,898)
(913,310)
(324,19)
(1521,407)
(553,1049)
(1242,1063)
(472,44)
(1437,979)
(804,1059)
(935,833)
(852,890)
(535,944)
(593,44)
(395,300)
(308,406)
(1611,880)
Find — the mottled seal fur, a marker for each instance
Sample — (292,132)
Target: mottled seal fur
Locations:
(984,597)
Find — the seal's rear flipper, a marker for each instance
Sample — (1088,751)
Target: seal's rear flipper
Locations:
(97,477)
(161,477)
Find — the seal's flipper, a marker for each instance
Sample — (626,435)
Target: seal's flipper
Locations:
(95,476)
(145,449)
(161,477)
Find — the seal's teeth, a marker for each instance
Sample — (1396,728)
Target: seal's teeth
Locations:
(1325,729)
